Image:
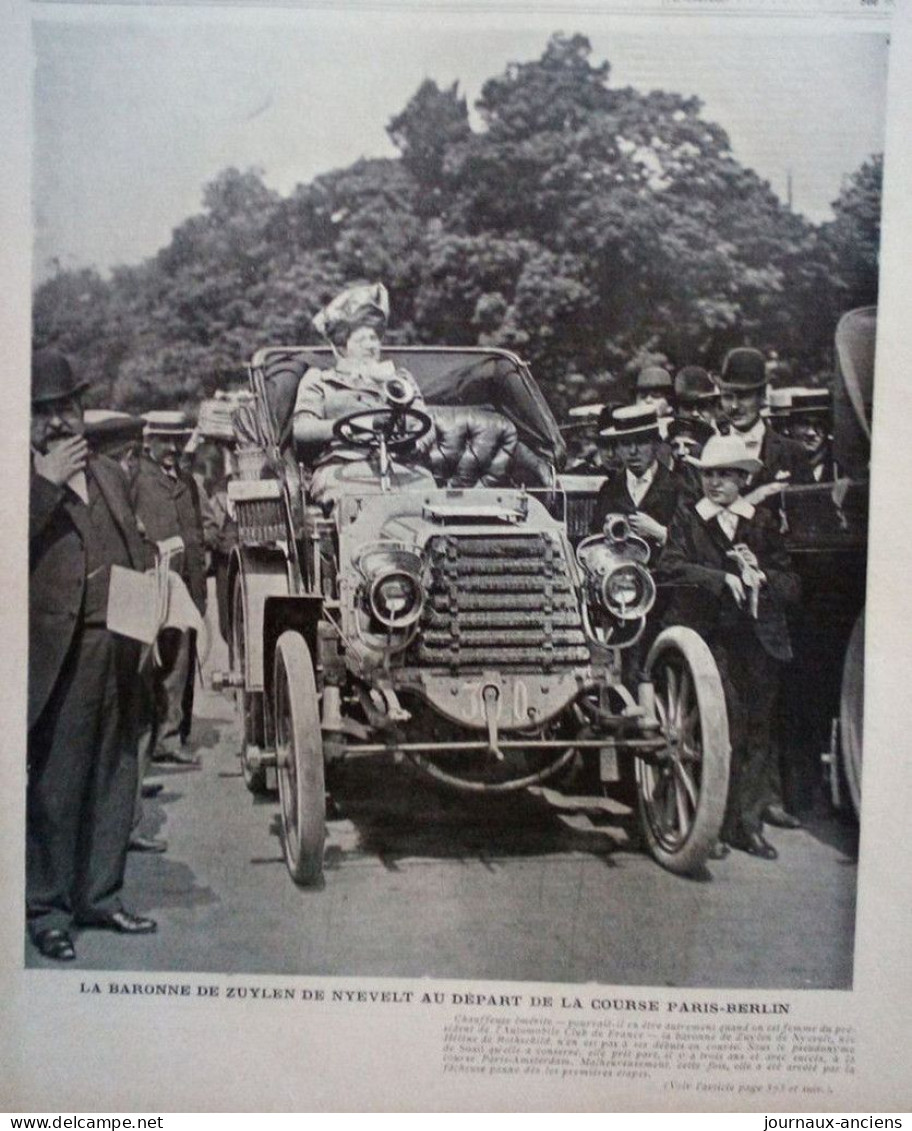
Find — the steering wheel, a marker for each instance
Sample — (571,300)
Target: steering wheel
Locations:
(398,427)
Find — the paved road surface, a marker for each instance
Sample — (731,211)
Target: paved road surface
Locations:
(421,884)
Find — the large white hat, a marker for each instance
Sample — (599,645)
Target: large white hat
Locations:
(726,451)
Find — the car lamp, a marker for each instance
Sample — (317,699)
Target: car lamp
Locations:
(627,591)
(392,589)
(395,597)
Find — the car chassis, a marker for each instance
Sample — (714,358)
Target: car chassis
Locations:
(455,627)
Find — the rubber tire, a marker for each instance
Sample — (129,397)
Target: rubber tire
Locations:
(249,703)
(851,714)
(299,750)
(692,852)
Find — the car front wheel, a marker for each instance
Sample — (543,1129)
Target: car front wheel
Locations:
(681,795)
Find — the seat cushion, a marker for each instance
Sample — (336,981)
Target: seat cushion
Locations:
(471,446)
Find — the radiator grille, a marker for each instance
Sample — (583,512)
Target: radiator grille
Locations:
(499,602)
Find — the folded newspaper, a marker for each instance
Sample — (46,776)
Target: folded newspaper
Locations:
(140,605)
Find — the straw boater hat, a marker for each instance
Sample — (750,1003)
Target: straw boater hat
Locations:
(726,451)
(780,403)
(634,422)
(811,402)
(173,425)
(743,371)
(109,432)
(362,305)
(585,412)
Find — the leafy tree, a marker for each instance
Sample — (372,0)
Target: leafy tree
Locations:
(586,226)
(853,238)
(432,122)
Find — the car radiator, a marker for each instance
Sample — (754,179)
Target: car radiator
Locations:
(499,602)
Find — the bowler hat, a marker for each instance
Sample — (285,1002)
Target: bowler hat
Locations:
(634,421)
(743,370)
(174,425)
(107,431)
(693,385)
(726,451)
(654,378)
(53,377)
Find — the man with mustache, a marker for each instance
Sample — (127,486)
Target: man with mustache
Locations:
(81,740)
(742,387)
(167,505)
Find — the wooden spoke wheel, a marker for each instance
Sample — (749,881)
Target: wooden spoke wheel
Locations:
(299,759)
(249,704)
(681,795)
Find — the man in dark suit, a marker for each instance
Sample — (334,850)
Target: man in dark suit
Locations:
(742,385)
(643,490)
(742,389)
(167,505)
(731,581)
(696,395)
(81,739)
(810,419)
(118,435)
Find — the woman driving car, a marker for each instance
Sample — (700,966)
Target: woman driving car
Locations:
(371,397)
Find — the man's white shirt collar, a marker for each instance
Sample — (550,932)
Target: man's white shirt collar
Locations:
(638,486)
(753,437)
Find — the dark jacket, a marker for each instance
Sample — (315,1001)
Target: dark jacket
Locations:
(169,508)
(659,502)
(57,571)
(694,565)
(781,453)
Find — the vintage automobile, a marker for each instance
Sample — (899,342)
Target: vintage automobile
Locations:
(453,626)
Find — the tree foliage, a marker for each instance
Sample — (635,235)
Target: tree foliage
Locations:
(585,226)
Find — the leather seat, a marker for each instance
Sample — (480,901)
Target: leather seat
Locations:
(471,447)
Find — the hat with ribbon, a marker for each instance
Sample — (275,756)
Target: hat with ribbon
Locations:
(172,425)
(633,421)
(585,412)
(361,305)
(780,403)
(107,431)
(811,402)
(726,451)
(743,371)
(53,377)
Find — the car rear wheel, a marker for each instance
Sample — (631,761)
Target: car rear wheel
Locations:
(681,796)
(249,704)
(299,760)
